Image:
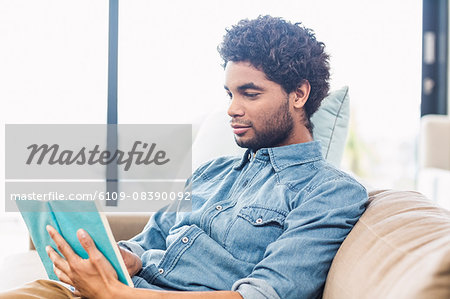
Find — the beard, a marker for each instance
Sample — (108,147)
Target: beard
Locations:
(277,128)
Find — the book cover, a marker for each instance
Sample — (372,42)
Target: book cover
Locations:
(67,216)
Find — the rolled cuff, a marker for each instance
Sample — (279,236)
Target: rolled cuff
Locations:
(253,288)
(141,283)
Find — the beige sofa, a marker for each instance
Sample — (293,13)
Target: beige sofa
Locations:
(400,248)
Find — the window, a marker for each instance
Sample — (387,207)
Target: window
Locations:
(54,67)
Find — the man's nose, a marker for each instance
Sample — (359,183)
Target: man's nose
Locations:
(235,109)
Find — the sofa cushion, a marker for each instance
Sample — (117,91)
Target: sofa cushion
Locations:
(400,248)
(331,125)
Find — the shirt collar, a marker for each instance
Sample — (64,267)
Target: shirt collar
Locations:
(284,156)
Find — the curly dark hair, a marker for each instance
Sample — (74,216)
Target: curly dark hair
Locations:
(287,53)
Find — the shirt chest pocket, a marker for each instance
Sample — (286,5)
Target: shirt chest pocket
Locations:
(253,229)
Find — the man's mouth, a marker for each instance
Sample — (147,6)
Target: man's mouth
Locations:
(240,129)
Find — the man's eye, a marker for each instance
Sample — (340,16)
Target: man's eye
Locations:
(251,94)
(229,95)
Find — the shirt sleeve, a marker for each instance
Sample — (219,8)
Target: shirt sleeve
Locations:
(254,288)
(297,263)
(155,232)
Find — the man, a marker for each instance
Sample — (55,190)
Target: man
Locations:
(266,225)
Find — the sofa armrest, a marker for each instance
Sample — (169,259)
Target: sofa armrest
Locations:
(399,248)
(434,183)
(434,147)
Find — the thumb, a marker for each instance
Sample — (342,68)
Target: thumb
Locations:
(121,249)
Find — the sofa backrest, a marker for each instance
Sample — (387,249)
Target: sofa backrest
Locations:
(400,248)
(433,177)
(434,147)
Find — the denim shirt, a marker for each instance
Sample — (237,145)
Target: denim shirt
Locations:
(267,225)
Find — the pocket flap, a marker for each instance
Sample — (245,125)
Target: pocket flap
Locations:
(261,215)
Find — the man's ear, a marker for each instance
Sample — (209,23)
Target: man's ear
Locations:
(301,94)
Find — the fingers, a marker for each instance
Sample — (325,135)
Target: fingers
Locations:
(87,243)
(95,256)
(62,245)
(62,275)
(77,293)
(60,265)
(57,260)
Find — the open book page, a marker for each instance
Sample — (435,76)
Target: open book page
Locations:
(67,216)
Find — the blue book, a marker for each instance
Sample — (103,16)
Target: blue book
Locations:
(67,216)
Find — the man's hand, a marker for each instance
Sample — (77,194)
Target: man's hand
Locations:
(93,277)
(132,261)
(96,278)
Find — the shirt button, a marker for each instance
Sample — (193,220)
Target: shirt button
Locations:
(161,270)
(185,240)
(259,220)
(219,208)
